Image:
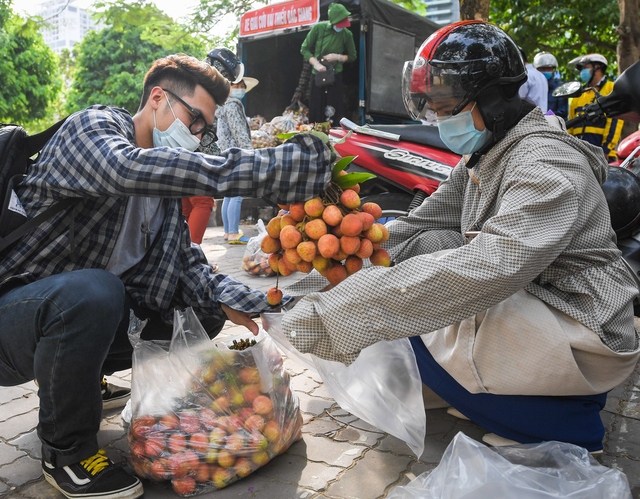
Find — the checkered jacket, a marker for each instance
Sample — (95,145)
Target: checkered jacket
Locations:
(545,228)
(94,158)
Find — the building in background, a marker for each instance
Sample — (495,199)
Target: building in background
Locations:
(443,11)
(65,23)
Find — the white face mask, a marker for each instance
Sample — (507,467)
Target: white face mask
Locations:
(237,93)
(177,135)
(338,29)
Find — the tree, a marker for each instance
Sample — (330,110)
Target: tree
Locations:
(474,9)
(29,77)
(112,62)
(567,29)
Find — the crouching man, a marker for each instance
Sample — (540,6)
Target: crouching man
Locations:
(67,287)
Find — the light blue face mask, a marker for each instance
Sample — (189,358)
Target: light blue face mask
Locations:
(548,76)
(338,29)
(238,93)
(585,75)
(177,135)
(460,135)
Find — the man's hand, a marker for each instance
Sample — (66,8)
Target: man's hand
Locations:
(241,318)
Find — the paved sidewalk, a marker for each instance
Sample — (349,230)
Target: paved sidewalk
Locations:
(340,456)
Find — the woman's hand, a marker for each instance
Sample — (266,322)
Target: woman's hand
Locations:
(335,57)
(319,67)
(241,318)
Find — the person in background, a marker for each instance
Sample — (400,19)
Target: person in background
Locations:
(604,134)
(232,130)
(535,88)
(329,42)
(547,64)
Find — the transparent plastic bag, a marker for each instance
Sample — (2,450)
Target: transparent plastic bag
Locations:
(260,139)
(256,122)
(382,387)
(204,415)
(283,124)
(471,470)
(255,261)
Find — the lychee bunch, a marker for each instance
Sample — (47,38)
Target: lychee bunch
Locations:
(332,233)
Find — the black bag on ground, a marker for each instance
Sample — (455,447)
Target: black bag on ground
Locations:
(16,151)
(325,78)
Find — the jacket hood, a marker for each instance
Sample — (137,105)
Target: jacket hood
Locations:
(553,127)
(337,12)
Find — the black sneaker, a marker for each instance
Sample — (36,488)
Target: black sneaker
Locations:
(95,477)
(113,396)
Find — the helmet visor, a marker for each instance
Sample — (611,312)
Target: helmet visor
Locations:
(434,88)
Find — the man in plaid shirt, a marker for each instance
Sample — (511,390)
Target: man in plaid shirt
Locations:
(67,287)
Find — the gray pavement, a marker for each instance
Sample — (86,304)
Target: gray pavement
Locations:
(339,456)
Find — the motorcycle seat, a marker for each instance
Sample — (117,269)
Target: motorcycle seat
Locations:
(419,134)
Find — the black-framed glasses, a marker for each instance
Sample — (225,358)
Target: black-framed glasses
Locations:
(198,124)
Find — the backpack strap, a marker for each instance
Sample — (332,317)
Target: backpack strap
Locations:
(32,223)
(34,143)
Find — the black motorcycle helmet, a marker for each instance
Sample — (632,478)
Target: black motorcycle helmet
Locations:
(622,191)
(227,63)
(464,62)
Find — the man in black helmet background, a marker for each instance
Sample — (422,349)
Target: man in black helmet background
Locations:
(507,280)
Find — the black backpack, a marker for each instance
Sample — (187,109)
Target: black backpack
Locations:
(16,151)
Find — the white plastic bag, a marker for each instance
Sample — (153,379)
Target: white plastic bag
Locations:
(255,261)
(382,387)
(471,470)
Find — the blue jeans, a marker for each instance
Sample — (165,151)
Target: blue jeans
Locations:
(231,214)
(66,331)
(59,330)
(525,419)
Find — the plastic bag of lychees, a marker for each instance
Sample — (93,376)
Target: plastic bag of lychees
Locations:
(255,261)
(207,413)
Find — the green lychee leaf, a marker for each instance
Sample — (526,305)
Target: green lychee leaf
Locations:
(322,136)
(341,165)
(342,140)
(287,136)
(351,179)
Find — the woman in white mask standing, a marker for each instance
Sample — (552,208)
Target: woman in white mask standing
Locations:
(232,130)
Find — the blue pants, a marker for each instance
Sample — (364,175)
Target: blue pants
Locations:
(525,419)
(231,214)
(67,330)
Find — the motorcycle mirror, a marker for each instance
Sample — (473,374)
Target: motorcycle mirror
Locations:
(624,101)
(568,90)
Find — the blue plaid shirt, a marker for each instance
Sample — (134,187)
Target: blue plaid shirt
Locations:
(94,157)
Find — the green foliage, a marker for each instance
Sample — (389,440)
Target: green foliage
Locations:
(566,28)
(112,62)
(29,76)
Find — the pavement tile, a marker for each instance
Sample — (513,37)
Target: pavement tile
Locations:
(313,405)
(416,469)
(16,425)
(278,490)
(20,405)
(303,383)
(21,471)
(624,439)
(342,416)
(370,477)
(109,433)
(314,376)
(322,391)
(321,426)
(29,443)
(3,489)
(294,469)
(320,449)
(358,437)
(40,490)
(8,454)
(10,393)
(631,468)
(293,367)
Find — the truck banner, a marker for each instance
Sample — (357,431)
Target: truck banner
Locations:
(280,16)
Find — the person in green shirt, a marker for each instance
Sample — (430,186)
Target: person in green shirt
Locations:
(329,42)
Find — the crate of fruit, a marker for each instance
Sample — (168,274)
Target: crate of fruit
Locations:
(208,413)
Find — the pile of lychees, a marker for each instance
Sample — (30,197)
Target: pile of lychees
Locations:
(332,233)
